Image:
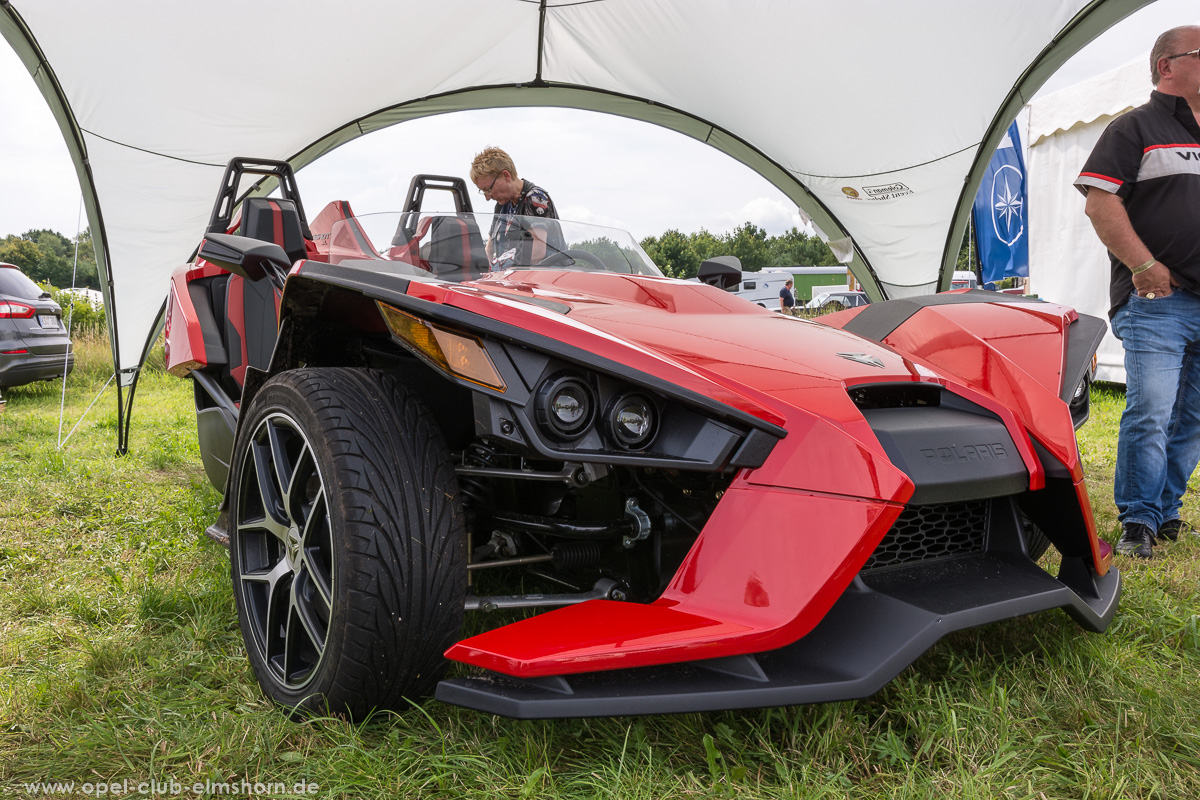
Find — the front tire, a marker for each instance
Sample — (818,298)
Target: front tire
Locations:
(347,542)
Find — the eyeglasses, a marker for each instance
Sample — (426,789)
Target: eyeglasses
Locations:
(487,191)
(1195,52)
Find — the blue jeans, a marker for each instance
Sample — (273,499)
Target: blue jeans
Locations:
(1159,441)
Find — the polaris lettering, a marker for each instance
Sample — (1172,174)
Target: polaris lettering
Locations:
(971,452)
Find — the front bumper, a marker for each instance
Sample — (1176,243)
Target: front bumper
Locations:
(880,625)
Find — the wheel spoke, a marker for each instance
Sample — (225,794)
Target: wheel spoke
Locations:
(275,617)
(314,629)
(289,646)
(315,550)
(296,489)
(270,577)
(268,492)
(265,523)
(304,638)
(283,469)
(321,590)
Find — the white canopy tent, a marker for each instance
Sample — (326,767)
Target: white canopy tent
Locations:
(1067,262)
(872,116)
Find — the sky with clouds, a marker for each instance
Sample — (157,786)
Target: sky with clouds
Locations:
(598,168)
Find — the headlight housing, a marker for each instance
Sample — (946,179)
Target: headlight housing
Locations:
(565,407)
(573,406)
(632,421)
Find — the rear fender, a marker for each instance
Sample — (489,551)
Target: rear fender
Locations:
(192,339)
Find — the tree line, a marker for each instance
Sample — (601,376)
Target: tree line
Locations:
(48,257)
(680,254)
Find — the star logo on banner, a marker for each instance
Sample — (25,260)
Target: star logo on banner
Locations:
(1007,205)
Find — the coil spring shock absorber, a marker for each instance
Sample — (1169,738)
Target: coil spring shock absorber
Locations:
(573,555)
(476,492)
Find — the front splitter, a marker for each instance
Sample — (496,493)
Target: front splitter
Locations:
(882,623)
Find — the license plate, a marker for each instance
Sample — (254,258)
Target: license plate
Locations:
(47,320)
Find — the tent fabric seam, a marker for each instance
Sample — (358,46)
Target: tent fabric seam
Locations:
(151,152)
(886,171)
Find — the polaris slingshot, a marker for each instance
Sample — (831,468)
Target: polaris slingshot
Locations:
(674,499)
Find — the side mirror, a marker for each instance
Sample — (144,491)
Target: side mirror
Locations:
(724,272)
(249,258)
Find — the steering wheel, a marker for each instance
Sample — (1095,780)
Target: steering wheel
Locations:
(569,258)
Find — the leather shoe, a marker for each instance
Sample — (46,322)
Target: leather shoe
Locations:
(1172,528)
(1136,540)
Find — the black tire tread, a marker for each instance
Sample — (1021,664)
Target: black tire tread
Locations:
(401,572)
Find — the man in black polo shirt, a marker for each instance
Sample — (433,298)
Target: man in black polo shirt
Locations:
(1142,183)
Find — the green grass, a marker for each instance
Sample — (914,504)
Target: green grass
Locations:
(120,659)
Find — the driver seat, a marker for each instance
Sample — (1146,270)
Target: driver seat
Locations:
(456,252)
(252,307)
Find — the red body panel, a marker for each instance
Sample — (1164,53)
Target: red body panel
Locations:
(767,567)
(338,235)
(235,299)
(786,539)
(573,329)
(183,340)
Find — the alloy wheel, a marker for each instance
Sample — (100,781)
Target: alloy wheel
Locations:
(285,547)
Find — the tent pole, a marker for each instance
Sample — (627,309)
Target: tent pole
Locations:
(125,407)
(62,405)
(971,243)
(976,261)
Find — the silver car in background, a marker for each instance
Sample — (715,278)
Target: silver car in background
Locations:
(34,343)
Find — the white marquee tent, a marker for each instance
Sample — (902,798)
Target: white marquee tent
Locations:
(1067,263)
(872,116)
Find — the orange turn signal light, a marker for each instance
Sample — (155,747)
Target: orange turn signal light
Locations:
(460,354)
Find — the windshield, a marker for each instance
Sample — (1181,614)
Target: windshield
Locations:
(464,246)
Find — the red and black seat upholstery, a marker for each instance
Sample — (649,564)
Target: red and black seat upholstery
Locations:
(252,307)
(456,251)
(448,245)
(273,220)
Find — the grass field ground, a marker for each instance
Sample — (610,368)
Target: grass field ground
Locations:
(121,663)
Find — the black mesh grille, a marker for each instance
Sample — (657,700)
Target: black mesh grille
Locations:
(923,533)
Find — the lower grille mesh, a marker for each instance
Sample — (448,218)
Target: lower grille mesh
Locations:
(924,533)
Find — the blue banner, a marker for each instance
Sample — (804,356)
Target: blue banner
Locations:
(1001,213)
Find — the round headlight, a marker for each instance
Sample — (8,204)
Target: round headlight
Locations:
(1080,390)
(632,421)
(565,407)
